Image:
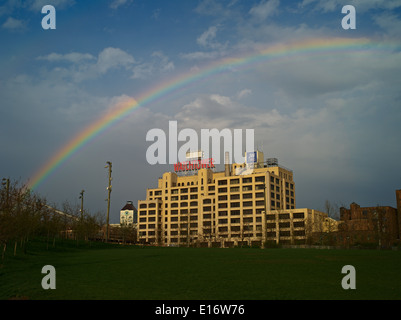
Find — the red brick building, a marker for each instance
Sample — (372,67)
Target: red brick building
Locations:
(379,225)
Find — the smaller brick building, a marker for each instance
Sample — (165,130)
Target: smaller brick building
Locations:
(379,225)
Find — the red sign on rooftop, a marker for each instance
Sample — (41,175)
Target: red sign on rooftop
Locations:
(194,165)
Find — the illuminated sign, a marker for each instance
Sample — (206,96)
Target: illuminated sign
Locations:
(194,165)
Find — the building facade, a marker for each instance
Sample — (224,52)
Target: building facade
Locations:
(299,226)
(379,225)
(128,215)
(226,208)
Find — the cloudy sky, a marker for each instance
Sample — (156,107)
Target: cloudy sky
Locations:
(331,114)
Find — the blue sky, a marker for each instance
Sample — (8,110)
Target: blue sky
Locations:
(334,119)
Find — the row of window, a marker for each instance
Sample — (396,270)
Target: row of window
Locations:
(223,190)
(298,224)
(286,233)
(224,221)
(295,215)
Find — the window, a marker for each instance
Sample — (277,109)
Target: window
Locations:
(284,216)
(299,224)
(298,215)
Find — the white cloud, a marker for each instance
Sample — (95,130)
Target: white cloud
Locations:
(73,57)
(113,58)
(115,4)
(390,24)
(201,55)
(159,63)
(13,24)
(209,7)
(85,66)
(264,9)
(219,111)
(244,93)
(206,38)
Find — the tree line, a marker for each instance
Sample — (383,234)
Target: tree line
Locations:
(25,215)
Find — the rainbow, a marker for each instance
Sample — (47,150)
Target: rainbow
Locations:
(122,109)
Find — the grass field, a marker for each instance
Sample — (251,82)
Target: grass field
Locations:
(110,272)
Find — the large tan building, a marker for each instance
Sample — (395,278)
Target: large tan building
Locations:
(226,208)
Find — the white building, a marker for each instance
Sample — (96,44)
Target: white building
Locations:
(128,215)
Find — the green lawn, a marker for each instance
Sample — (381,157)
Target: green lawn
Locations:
(201,273)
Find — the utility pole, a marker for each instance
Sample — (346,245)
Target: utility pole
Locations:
(108,201)
(82,203)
